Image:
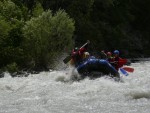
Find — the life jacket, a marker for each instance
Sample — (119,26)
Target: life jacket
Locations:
(77,56)
(119,62)
(116,63)
(110,59)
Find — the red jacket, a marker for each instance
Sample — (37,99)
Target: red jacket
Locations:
(119,62)
(78,55)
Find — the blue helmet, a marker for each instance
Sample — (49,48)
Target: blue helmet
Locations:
(116,52)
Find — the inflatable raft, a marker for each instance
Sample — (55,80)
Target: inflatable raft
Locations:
(97,68)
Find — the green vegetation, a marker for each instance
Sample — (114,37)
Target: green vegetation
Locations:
(46,37)
(33,33)
(32,42)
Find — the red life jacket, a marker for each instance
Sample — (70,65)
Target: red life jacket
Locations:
(119,62)
(78,55)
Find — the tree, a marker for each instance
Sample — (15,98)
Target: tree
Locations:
(11,35)
(47,36)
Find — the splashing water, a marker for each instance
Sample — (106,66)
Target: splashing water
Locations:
(55,92)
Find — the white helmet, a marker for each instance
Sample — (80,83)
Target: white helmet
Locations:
(86,54)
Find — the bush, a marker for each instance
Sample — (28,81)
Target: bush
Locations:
(47,36)
(12,67)
(11,23)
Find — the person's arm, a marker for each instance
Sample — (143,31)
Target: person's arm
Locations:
(103,55)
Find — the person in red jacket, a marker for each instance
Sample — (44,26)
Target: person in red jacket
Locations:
(78,55)
(116,59)
(118,62)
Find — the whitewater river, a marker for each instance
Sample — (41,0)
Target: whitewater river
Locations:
(48,93)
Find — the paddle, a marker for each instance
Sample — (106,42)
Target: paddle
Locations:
(123,72)
(68,58)
(129,69)
(126,68)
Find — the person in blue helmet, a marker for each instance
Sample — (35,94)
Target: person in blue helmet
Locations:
(116,59)
(116,55)
(118,62)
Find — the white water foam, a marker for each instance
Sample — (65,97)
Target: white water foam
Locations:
(55,92)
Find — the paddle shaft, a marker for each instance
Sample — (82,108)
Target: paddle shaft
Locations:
(85,44)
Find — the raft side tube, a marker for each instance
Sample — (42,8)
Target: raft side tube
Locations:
(97,65)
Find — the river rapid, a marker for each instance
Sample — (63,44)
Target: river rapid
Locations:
(55,92)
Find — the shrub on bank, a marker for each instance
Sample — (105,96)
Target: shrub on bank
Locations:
(46,37)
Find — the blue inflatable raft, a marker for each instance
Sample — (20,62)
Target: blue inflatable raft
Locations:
(93,67)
